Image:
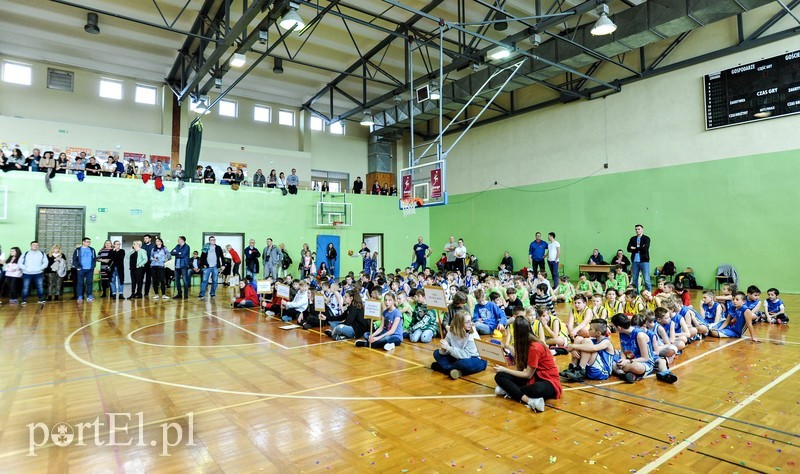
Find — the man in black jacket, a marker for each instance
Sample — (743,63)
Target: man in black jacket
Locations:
(251,259)
(639,247)
(211,260)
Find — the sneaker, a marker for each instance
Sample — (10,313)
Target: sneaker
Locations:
(389,347)
(41,301)
(80,300)
(155,297)
(569,369)
(165,297)
(436,367)
(24,303)
(455,374)
(667,377)
(560,351)
(361,343)
(629,377)
(536,404)
(201,297)
(500,392)
(329,333)
(307,326)
(90,299)
(287,319)
(577,375)
(340,337)
(14,302)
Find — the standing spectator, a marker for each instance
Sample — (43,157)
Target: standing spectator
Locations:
(639,247)
(158,259)
(460,253)
(138,264)
(358,185)
(181,253)
(236,261)
(421,254)
(84,260)
(147,246)
(286,260)
(117,270)
(55,272)
(62,164)
(553,256)
(259,180)
(211,261)
(449,249)
(32,264)
(330,256)
(292,181)
(272,257)
(13,273)
(280,183)
(536,251)
(104,257)
(48,164)
(251,259)
(92,167)
(325,187)
(272,180)
(208,176)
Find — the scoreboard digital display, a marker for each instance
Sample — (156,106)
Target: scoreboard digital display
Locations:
(757,91)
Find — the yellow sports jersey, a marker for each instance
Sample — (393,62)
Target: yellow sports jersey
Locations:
(609,309)
(579,316)
(633,307)
(555,325)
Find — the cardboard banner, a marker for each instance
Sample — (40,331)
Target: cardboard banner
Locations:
(436,183)
(319,302)
(372,309)
(263,286)
(407,193)
(491,352)
(435,297)
(282,290)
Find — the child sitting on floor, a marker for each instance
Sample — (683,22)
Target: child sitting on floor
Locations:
(776,311)
(458,355)
(390,332)
(424,324)
(565,290)
(593,357)
(736,321)
(579,318)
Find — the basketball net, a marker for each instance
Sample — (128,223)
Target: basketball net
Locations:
(409,206)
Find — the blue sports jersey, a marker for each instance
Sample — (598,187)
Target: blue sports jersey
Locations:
(710,312)
(667,327)
(729,307)
(630,347)
(774,306)
(737,321)
(601,367)
(676,321)
(750,304)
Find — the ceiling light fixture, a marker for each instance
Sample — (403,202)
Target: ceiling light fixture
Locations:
(500,52)
(292,18)
(277,66)
(263,36)
(91,24)
(367,120)
(238,60)
(603,25)
(201,105)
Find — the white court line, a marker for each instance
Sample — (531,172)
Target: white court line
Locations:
(718,421)
(780,341)
(606,384)
(247,330)
(183,346)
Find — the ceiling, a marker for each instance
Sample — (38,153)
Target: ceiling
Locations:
(352,54)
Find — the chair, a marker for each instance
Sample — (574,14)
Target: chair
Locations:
(725,274)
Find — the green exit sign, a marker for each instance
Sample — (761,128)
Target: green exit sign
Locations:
(102,209)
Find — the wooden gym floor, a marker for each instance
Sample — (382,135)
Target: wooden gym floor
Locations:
(266,400)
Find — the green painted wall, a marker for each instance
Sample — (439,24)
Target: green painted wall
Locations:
(258,213)
(741,211)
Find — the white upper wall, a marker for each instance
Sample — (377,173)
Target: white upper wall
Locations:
(37,115)
(651,123)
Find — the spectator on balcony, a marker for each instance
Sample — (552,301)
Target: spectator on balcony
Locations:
(119,170)
(158,170)
(177,173)
(92,167)
(272,180)
(227,176)
(130,170)
(238,176)
(385,190)
(281,183)
(376,188)
(208,176)
(259,180)
(48,164)
(109,167)
(292,181)
(358,185)
(33,160)
(77,166)
(62,164)
(198,175)
(145,171)
(393,190)
(15,162)
(325,188)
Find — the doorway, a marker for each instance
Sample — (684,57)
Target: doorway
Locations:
(126,240)
(375,244)
(322,251)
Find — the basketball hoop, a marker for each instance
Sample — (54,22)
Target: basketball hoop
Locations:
(336,223)
(409,206)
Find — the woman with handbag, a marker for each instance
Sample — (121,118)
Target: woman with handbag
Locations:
(55,272)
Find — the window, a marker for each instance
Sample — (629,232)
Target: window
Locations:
(17,73)
(110,89)
(146,95)
(227,108)
(262,113)
(337,128)
(286,117)
(317,123)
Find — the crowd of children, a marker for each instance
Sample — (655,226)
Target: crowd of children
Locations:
(519,314)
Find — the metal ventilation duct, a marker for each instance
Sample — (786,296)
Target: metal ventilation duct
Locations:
(647,23)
